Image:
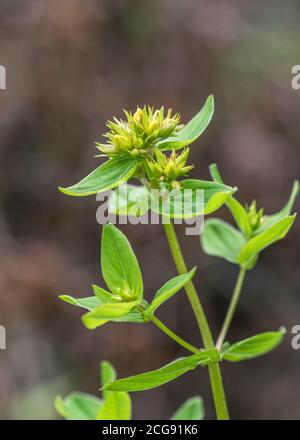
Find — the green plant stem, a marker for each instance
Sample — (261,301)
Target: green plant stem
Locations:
(216,381)
(189,287)
(173,335)
(232,307)
(214,368)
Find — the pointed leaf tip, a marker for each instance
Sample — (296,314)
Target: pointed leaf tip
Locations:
(108,175)
(120,268)
(169,289)
(156,378)
(192,130)
(220,239)
(263,240)
(253,347)
(191,409)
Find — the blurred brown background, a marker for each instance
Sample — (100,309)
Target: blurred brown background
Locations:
(73,64)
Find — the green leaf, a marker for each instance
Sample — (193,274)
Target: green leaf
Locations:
(117,406)
(215,194)
(192,130)
(102,295)
(215,174)
(81,406)
(191,409)
(276,232)
(92,303)
(107,374)
(120,267)
(285,211)
(274,228)
(240,216)
(202,198)
(135,316)
(107,312)
(169,289)
(107,176)
(177,203)
(136,200)
(155,378)
(237,210)
(78,406)
(222,240)
(253,347)
(89,303)
(129,200)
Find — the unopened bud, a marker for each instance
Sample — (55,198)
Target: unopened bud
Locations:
(152,127)
(183,157)
(170,170)
(175,184)
(185,170)
(138,114)
(161,158)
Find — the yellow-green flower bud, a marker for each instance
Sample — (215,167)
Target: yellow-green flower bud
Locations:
(255,217)
(124,293)
(121,142)
(161,158)
(170,170)
(135,152)
(140,131)
(175,184)
(154,170)
(185,170)
(183,157)
(152,127)
(138,115)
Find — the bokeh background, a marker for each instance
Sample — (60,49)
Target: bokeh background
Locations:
(71,65)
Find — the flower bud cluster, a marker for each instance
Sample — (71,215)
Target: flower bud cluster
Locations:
(168,168)
(139,133)
(256,218)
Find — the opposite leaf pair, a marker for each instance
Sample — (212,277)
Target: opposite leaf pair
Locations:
(115,405)
(147,133)
(132,143)
(135,149)
(191,198)
(121,272)
(82,406)
(244,350)
(256,231)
